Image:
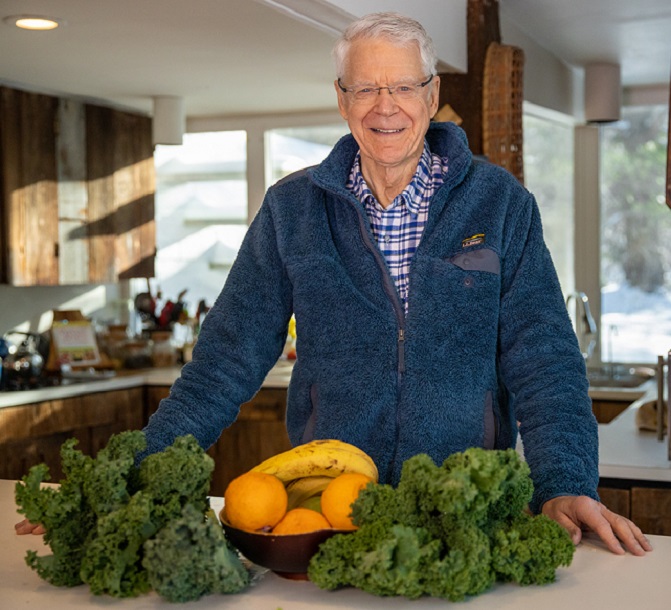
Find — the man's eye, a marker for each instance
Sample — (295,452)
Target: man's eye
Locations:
(404,88)
(365,90)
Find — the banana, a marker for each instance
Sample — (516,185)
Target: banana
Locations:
(300,490)
(324,457)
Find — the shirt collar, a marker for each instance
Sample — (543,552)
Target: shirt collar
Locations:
(411,196)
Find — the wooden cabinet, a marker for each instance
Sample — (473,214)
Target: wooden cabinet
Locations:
(121,185)
(28,188)
(33,434)
(647,504)
(76,192)
(651,509)
(606,411)
(618,500)
(257,434)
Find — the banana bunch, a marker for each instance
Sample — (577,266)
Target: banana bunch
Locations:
(307,469)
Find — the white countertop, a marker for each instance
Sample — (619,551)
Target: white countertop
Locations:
(625,452)
(595,579)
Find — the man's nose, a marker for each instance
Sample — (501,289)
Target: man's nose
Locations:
(385,102)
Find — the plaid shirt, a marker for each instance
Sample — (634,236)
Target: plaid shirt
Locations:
(398,228)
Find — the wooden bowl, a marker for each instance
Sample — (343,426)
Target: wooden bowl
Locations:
(287,555)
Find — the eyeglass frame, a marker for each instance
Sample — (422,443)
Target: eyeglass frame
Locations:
(379,89)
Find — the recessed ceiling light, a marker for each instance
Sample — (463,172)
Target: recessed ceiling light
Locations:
(33,22)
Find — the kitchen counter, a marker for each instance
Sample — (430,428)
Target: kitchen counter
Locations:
(624,451)
(278,377)
(596,578)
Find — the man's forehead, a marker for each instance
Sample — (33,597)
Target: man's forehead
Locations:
(380,57)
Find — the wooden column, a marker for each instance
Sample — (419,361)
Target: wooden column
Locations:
(463,92)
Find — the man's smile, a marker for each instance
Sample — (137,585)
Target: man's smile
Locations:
(378,130)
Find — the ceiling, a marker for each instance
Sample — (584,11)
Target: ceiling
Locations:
(238,57)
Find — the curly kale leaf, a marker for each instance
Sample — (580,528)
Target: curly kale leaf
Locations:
(376,503)
(501,478)
(67,518)
(112,559)
(108,479)
(177,476)
(529,549)
(464,568)
(378,559)
(191,557)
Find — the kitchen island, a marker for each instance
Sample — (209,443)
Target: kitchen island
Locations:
(595,579)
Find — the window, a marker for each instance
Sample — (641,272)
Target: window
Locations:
(635,237)
(548,174)
(202,201)
(201,213)
(292,149)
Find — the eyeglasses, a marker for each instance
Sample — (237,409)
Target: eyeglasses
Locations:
(365,93)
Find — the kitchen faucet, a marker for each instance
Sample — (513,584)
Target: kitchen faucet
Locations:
(583,323)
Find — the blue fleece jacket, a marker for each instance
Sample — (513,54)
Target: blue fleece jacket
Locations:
(486,348)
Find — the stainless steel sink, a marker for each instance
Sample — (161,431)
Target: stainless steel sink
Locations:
(619,376)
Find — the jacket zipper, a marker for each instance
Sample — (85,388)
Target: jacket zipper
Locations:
(390,289)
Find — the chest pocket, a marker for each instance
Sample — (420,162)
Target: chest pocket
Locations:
(483,259)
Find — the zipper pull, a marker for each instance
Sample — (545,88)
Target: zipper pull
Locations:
(401,350)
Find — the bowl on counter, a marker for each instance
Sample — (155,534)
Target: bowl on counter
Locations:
(287,555)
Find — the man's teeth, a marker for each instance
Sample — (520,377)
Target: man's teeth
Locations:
(388,130)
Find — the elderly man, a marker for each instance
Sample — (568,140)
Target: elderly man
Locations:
(428,311)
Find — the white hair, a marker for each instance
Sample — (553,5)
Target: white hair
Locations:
(394,27)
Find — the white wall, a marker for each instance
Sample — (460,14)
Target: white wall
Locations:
(29,309)
(548,82)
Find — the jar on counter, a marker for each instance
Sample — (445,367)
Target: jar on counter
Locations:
(137,354)
(163,353)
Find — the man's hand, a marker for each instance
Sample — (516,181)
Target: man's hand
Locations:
(575,513)
(26,527)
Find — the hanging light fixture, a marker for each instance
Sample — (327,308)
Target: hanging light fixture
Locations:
(169,123)
(603,92)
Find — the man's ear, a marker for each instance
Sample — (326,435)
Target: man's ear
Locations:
(435,95)
(342,102)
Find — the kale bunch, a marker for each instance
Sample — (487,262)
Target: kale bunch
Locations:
(446,531)
(103,519)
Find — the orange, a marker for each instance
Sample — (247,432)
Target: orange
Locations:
(301,521)
(338,497)
(255,501)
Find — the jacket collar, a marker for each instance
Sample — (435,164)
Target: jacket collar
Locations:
(444,139)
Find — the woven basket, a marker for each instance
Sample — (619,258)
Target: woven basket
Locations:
(503,85)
